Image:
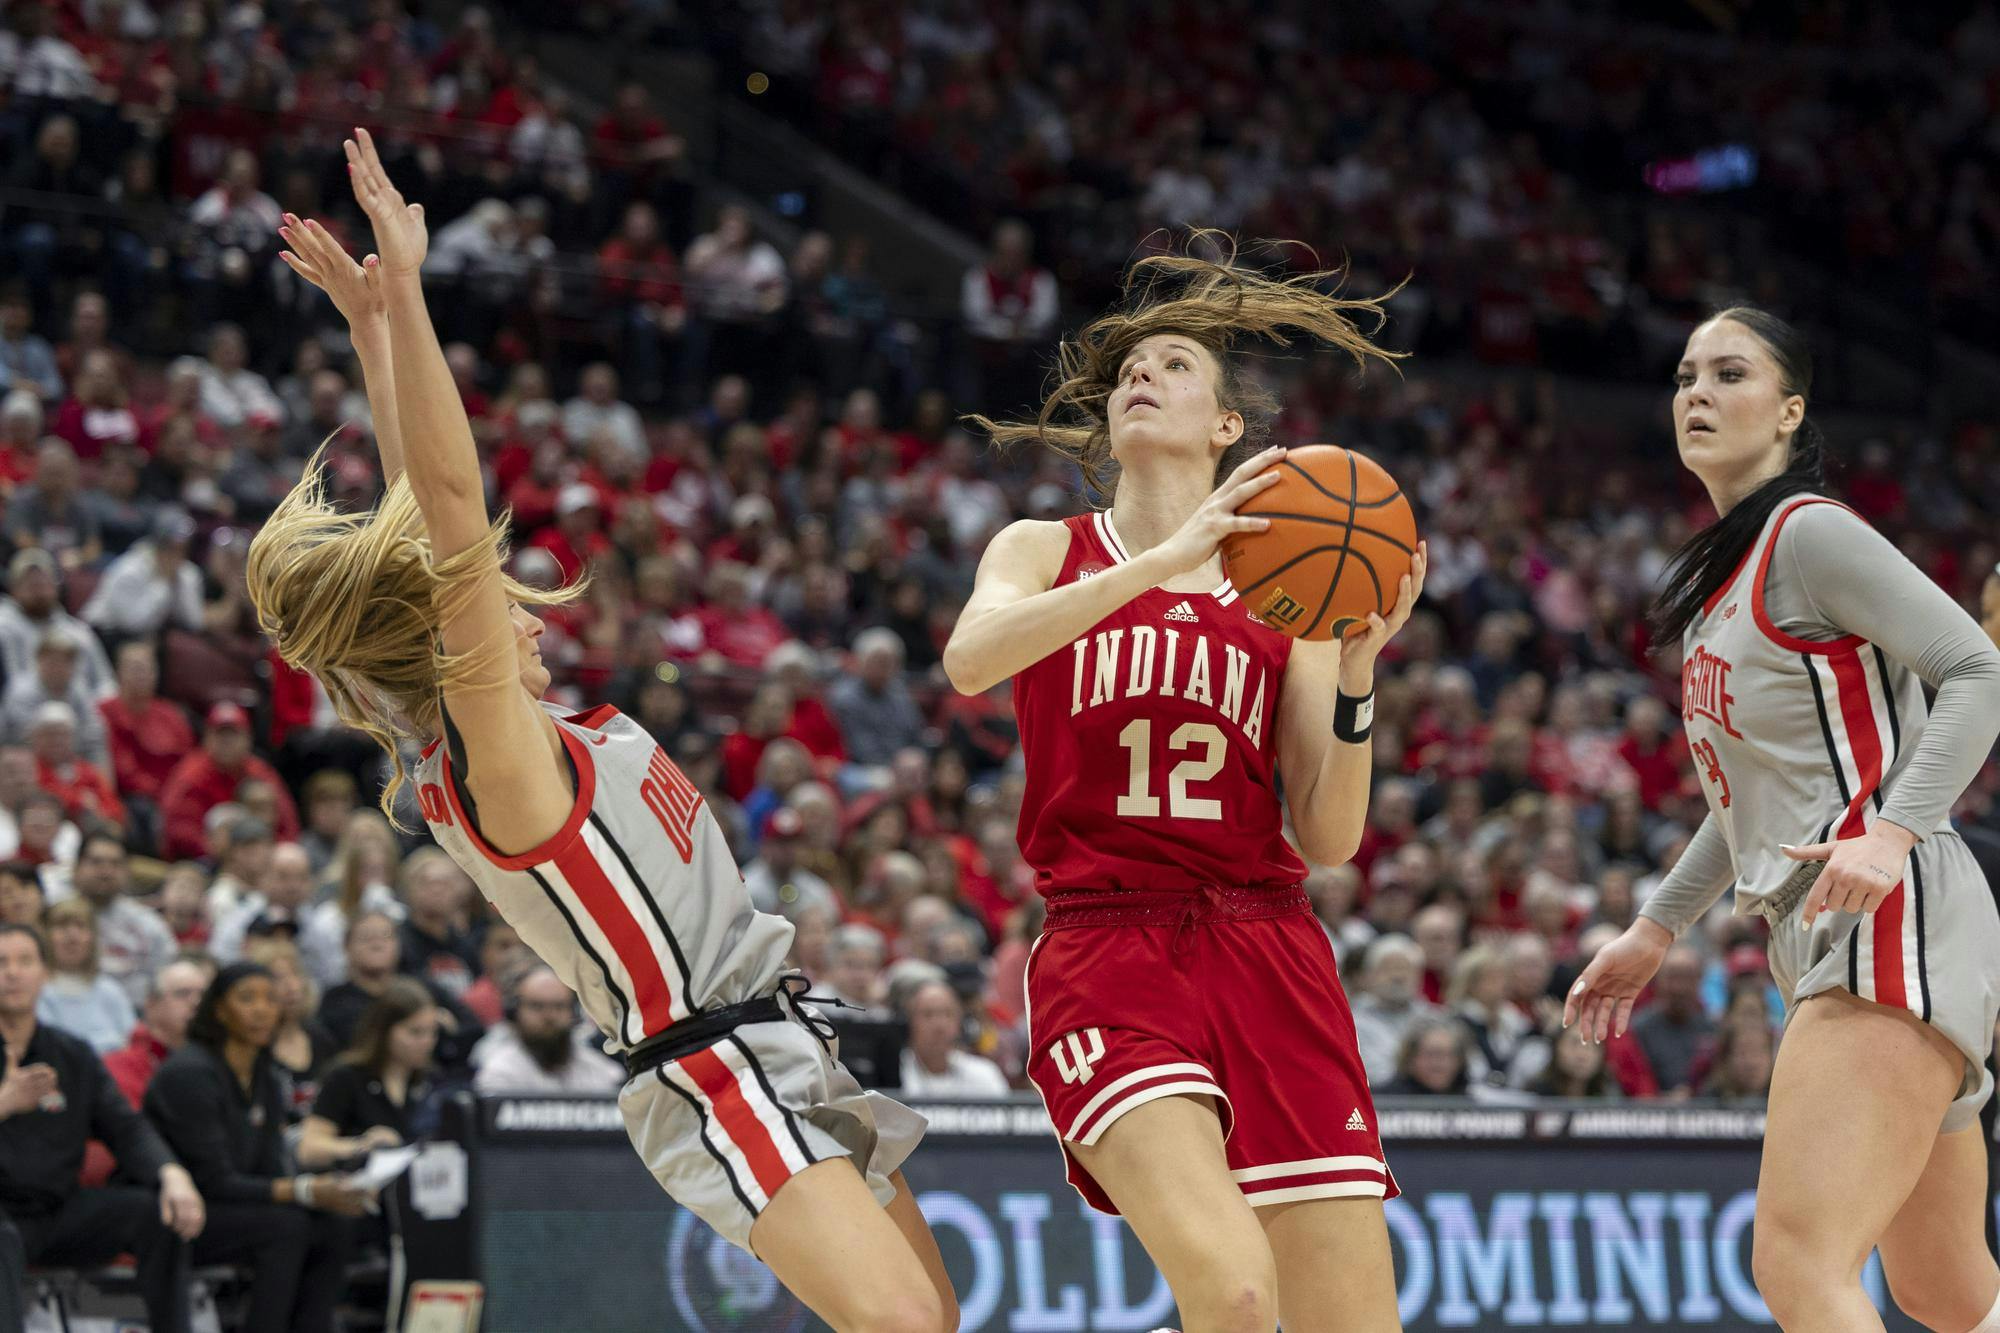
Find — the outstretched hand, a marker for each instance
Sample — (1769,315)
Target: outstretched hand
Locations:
(355,289)
(400,234)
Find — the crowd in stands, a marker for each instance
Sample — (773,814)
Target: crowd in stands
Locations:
(1496,153)
(780,514)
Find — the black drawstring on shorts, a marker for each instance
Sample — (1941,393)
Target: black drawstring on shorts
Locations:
(795,987)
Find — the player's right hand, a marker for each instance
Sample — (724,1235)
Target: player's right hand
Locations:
(1602,998)
(400,235)
(1192,546)
(355,289)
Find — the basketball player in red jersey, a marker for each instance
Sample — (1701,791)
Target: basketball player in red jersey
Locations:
(579,829)
(1188,1028)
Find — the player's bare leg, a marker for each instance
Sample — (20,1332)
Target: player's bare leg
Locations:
(1164,1165)
(841,1253)
(1934,1254)
(909,1219)
(1855,1098)
(1335,1272)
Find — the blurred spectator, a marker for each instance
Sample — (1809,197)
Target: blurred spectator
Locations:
(1478,999)
(1432,1060)
(502,957)
(1745,1053)
(260,473)
(1672,1029)
(1575,1068)
(373,951)
(56,678)
(239,846)
(184,907)
(26,359)
(735,284)
(934,1065)
(1439,931)
(543,1048)
(597,413)
(21,419)
(221,1107)
(435,945)
(232,394)
(22,900)
(1651,752)
(147,736)
(207,777)
(639,280)
(1333,890)
(777,882)
(876,712)
(326,804)
(84,789)
(52,512)
(282,906)
(32,610)
(371,1095)
(235,241)
(1388,1003)
(79,998)
(97,418)
(165,1010)
(363,871)
(1009,307)
(133,942)
(855,958)
(577,536)
(55,1097)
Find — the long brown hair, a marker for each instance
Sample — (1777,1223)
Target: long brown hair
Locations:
(401,998)
(1219,305)
(357,599)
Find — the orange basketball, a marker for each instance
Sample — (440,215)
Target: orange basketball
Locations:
(1341,537)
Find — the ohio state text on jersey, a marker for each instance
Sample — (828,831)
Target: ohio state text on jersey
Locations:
(1151,741)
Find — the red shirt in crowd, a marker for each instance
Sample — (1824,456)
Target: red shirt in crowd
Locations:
(92,430)
(198,784)
(82,788)
(1658,767)
(145,745)
(744,638)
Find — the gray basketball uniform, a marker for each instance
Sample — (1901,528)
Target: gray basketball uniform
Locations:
(637,904)
(1801,699)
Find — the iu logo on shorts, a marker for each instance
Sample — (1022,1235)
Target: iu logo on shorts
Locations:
(1077,1054)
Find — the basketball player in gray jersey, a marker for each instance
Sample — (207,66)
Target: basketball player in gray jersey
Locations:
(1805,635)
(579,829)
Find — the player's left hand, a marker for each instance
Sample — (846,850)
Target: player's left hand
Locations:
(1359,651)
(1860,872)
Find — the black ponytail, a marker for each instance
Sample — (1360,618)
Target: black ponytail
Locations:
(1708,558)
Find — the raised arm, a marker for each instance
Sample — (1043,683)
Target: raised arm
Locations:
(1015,617)
(511,747)
(356,292)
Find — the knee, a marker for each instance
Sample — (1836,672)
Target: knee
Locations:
(1234,1303)
(1794,1269)
(910,1310)
(1944,1306)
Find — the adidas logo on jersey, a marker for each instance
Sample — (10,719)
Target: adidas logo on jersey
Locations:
(1355,1121)
(1183,611)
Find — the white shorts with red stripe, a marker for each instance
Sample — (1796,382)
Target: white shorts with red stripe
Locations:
(1932,947)
(722,1130)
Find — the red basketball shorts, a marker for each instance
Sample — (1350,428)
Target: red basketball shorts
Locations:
(1230,994)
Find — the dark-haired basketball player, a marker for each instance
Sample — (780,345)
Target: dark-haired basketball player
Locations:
(1804,636)
(1190,1036)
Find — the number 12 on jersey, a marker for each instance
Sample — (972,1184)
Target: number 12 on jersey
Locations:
(1138,798)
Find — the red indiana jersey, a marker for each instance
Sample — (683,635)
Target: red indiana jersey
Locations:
(1151,742)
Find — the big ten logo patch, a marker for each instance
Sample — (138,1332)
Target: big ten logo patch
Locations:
(673,801)
(1076,1055)
(1279,608)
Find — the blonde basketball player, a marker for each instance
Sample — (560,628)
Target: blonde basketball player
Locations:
(579,829)
(1804,636)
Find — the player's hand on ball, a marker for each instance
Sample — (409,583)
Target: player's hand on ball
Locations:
(1601,1000)
(400,234)
(1196,542)
(1860,872)
(355,289)
(1359,651)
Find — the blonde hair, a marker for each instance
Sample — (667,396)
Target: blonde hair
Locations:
(1216,304)
(357,599)
(345,870)
(79,911)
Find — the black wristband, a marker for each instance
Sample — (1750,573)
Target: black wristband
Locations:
(1353,718)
